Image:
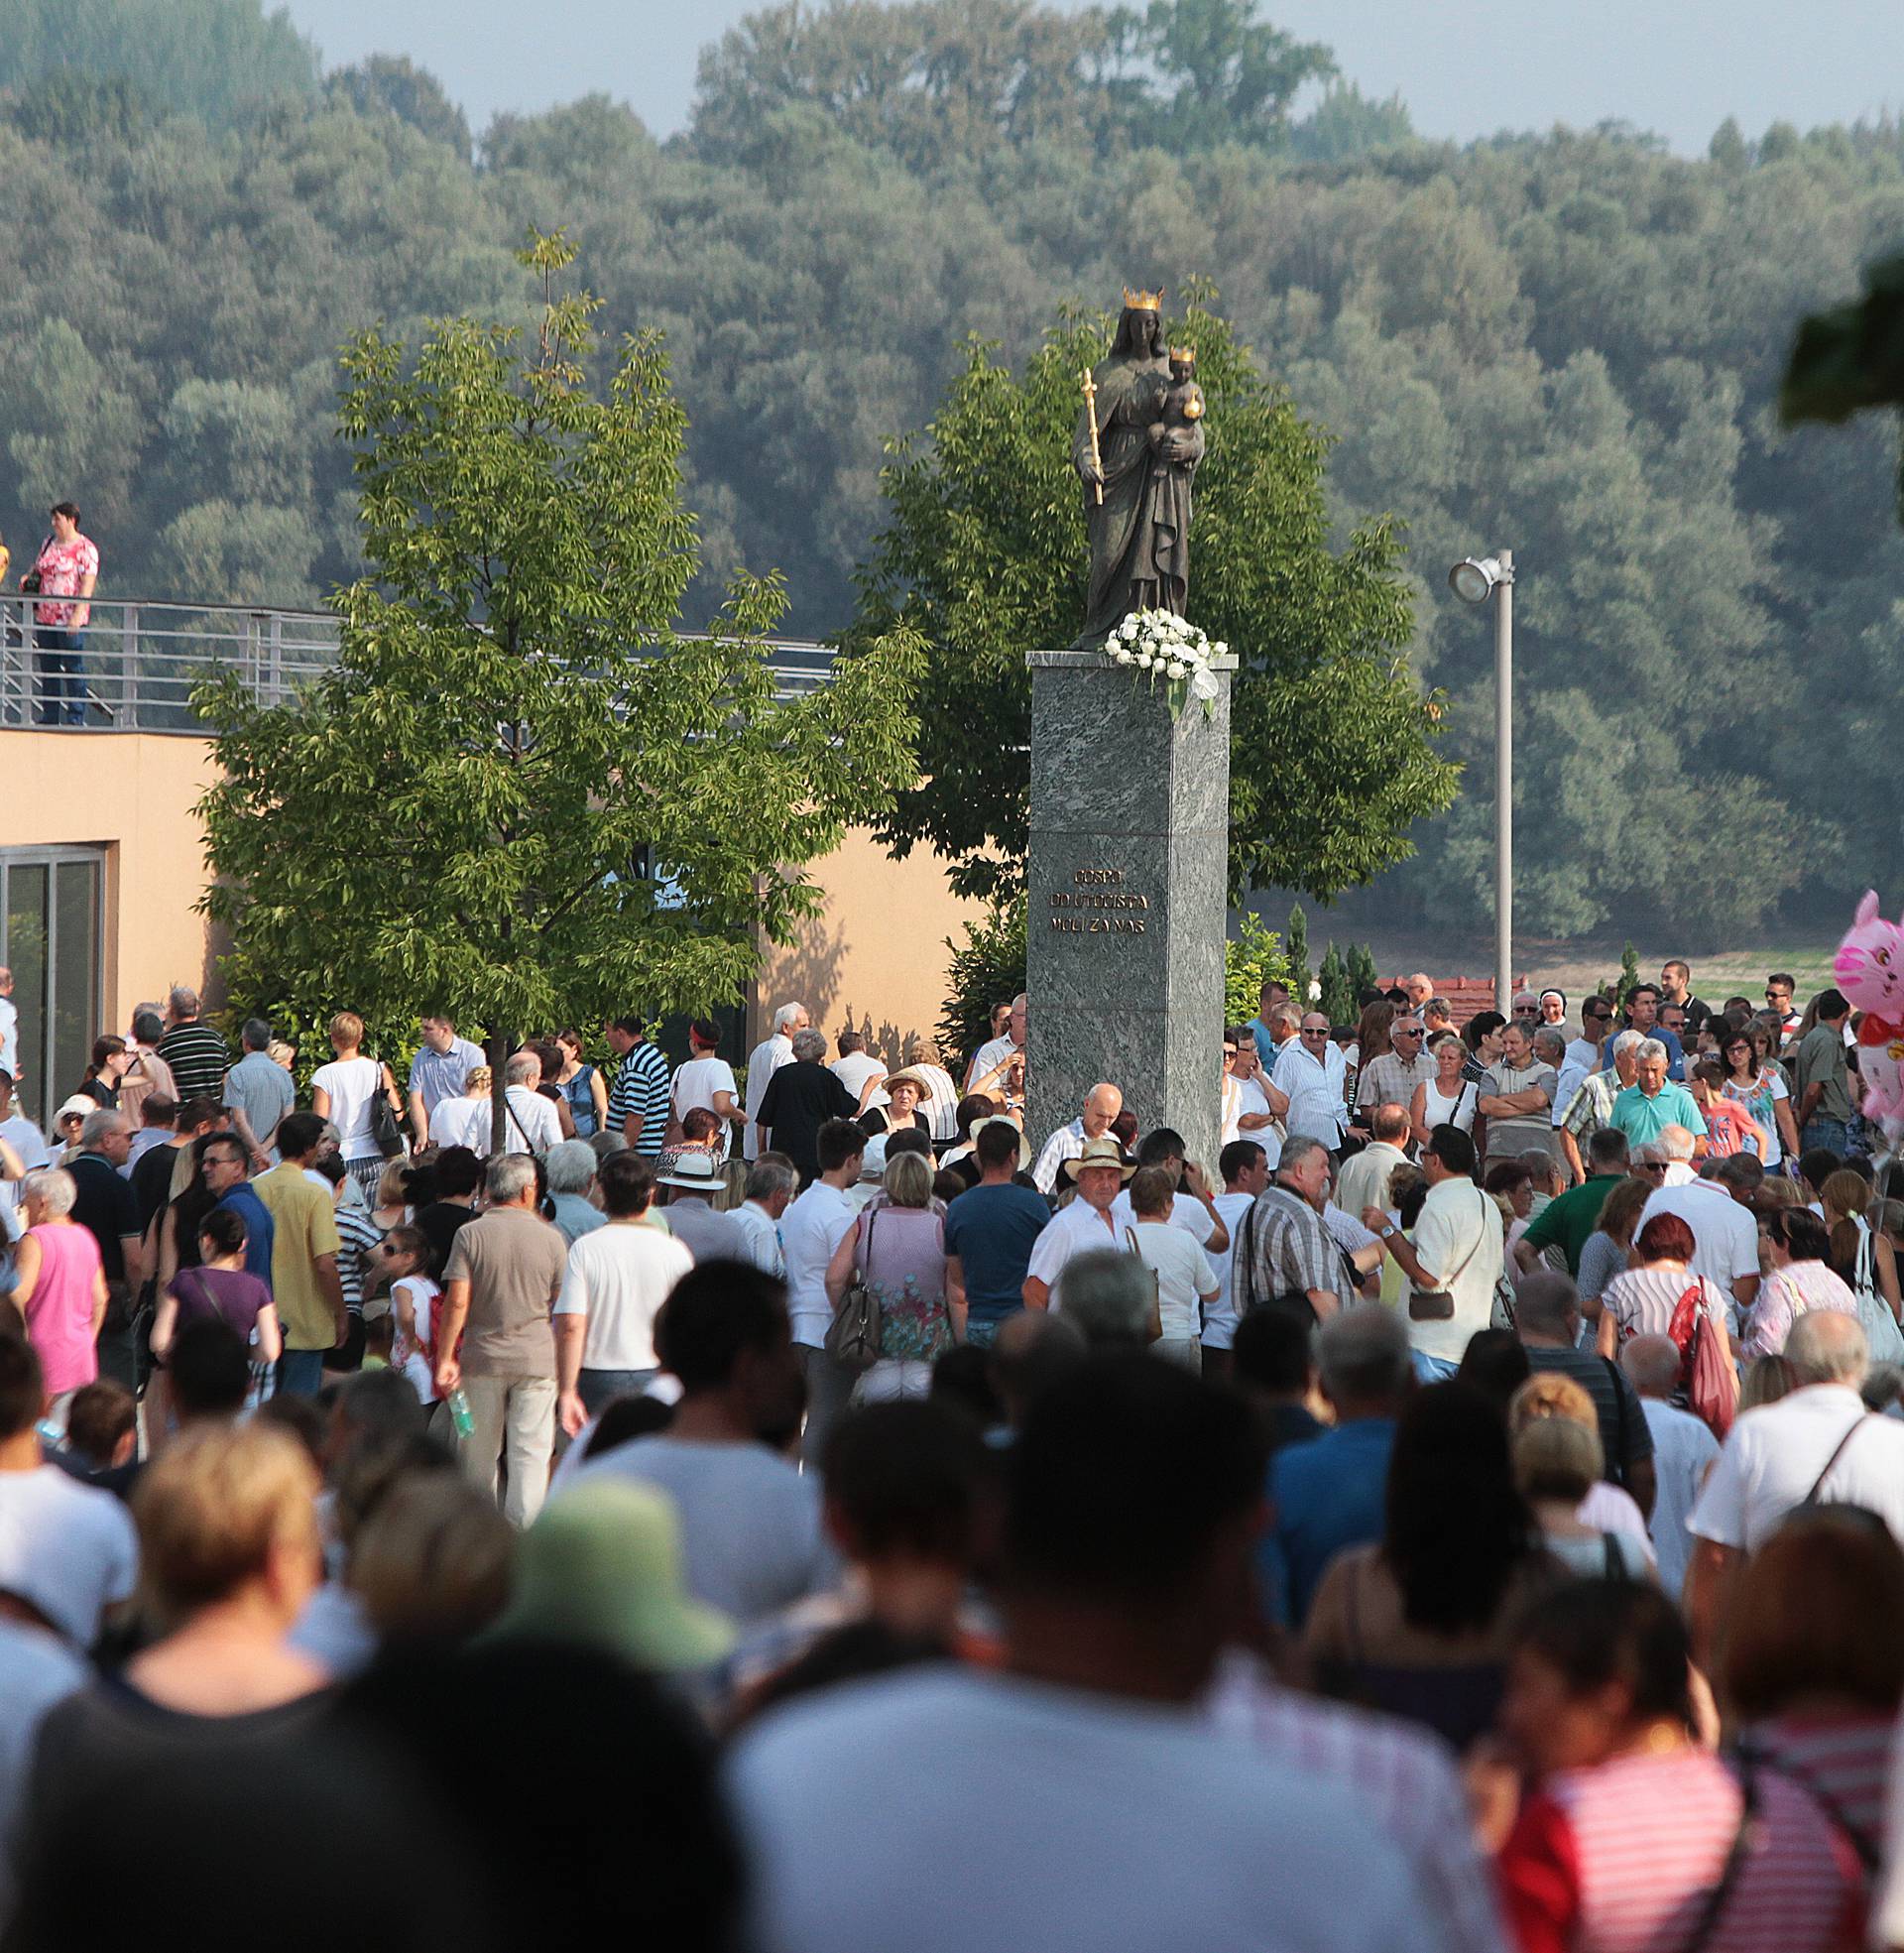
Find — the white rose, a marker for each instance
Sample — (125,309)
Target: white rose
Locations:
(1174,669)
(1144,661)
(1127,628)
(1125,656)
(1219,649)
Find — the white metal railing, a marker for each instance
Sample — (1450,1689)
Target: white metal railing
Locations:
(141,659)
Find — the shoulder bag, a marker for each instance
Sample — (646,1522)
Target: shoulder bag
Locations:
(384,1126)
(1882,1330)
(1438,1304)
(1153,1328)
(852,1338)
(1707,1379)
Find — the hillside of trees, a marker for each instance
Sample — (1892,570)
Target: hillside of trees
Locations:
(1567,343)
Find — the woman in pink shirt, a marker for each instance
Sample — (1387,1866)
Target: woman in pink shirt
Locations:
(58,1281)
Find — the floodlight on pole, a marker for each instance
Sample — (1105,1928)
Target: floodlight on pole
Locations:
(1473,581)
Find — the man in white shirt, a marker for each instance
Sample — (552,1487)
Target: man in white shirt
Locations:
(1306,1090)
(1725,1232)
(771,1182)
(1102,1104)
(30,1143)
(1683,1451)
(1456,1251)
(1125,1560)
(812,1228)
(9,1025)
(763,1062)
(533,1123)
(993,1057)
(859,1070)
(1364,1177)
(68,1552)
(613,1288)
(1193,1208)
(1245,1167)
(1818,1445)
(706,1080)
(1098,1172)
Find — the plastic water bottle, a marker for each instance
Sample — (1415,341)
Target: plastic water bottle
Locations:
(460,1413)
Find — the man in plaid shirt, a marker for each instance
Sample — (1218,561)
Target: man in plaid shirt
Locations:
(1283,1247)
(1592,1107)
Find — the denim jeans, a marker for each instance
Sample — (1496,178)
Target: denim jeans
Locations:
(600,1387)
(1434,1368)
(62,693)
(300,1372)
(1834,1134)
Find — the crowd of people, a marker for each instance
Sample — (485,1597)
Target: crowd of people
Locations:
(1466,1514)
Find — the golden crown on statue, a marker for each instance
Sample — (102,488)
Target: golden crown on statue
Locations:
(1184,355)
(1142,301)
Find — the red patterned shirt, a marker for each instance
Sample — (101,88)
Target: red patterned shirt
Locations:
(64,567)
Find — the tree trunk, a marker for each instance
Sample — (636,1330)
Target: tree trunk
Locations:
(499,1047)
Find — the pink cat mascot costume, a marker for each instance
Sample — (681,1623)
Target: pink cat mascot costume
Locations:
(1869,970)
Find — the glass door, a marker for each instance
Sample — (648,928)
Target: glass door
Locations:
(51,913)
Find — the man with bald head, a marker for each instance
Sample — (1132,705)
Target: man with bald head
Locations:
(1102,1104)
(1816,1446)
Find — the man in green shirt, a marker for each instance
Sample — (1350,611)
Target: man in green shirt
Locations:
(1652,1102)
(1821,1079)
(1567,1221)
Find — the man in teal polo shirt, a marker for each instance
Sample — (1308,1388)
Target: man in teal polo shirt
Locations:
(1567,1221)
(1651,1102)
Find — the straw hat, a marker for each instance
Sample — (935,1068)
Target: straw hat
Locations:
(1105,1152)
(697,1170)
(998,1119)
(912,1076)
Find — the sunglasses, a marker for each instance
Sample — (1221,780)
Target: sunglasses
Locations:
(1401,1031)
(1526,1009)
(1229,1050)
(1315,1034)
(1650,1167)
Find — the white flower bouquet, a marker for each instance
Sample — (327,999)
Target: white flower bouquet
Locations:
(1161,645)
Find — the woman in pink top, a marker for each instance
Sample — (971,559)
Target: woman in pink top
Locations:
(58,1281)
(1794,1243)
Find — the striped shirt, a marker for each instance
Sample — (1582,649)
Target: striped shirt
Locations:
(357,1235)
(198,1058)
(1844,1762)
(1621,1859)
(641,1086)
(1403,1775)
(1641,1301)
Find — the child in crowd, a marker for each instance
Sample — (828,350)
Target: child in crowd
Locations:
(404,1257)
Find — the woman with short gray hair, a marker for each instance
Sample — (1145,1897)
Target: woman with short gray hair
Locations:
(59,1283)
(897,1250)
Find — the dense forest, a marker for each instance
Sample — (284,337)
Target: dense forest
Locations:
(1567,343)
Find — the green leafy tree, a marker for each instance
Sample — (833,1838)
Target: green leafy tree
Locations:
(987,967)
(519,797)
(1252,957)
(393,82)
(1296,954)
(1338,1003)
(1332,752)
(1360,965)
(1221,74)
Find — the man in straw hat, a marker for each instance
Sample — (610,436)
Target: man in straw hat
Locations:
(1097,1173)
(692,1179)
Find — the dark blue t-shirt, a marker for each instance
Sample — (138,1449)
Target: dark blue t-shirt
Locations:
(991,1229)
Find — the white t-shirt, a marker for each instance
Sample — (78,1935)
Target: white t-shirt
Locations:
(1183,1271)
(352,1083)
(1724,1234)
(30,1143)
(1186,1212)
(535,1117)
(1683,1451)
(619,1276)
(855,1070)
(461,1122)
(1074,1230)
(1772,1456)
(1225,1848)
(1220,1316)
(66,1548)
(422,1296)
(1460,1241)
(990,1056)
(810,1229)
(697,1082)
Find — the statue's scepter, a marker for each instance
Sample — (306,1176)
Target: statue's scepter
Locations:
(1091,419)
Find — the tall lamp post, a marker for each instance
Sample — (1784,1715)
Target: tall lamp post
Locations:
(1473,581)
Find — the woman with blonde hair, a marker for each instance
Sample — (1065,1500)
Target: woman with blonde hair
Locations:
(230,1551)
(1547,1397)
(1860,1255)
(1557,1463)
(465,1121)
(345,1093)
(898,1249)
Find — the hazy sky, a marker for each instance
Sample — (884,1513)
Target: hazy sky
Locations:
(1465,67)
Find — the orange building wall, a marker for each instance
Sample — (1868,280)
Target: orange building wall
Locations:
(874,957)
(131,794)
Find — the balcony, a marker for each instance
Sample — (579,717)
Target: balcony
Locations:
(143,660)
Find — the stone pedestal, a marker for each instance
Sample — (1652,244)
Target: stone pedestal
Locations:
(1125,922)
